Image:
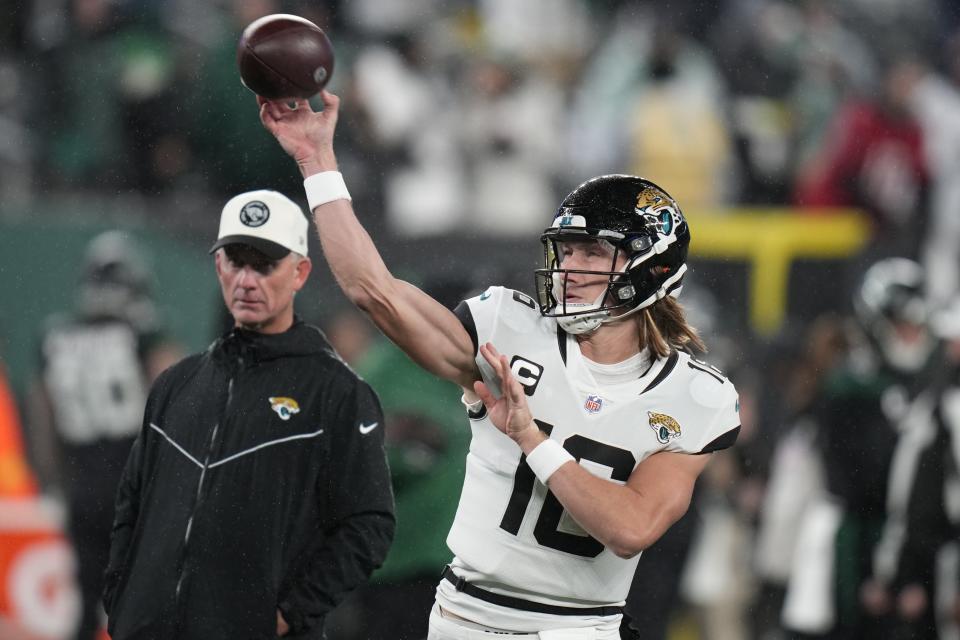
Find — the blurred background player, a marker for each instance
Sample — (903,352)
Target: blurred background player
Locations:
(425,443)
(857,413)
(97,362)
(915,570)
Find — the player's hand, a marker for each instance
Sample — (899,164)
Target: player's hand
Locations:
(282,627)
(306,135)
(510,412)
(875,597)
(912,602)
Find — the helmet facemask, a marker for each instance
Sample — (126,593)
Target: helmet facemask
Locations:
(553,282)
(651,267)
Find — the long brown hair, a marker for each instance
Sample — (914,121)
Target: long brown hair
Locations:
(663,327)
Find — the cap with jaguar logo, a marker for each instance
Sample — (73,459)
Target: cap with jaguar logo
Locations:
(267,221)
(254,214)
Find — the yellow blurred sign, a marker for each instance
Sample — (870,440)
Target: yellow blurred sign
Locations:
(770,239)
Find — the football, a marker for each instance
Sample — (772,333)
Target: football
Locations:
(283,56)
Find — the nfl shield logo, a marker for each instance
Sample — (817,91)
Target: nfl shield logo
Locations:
(593,404)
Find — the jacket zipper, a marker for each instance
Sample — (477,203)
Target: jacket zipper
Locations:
(203,473)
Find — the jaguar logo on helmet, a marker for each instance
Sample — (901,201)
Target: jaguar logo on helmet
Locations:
(659,209)
(650,199)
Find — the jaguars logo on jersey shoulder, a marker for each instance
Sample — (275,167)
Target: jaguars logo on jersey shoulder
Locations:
(664,426)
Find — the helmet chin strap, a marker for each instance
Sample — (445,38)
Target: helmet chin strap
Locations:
(590,322)
(584,322)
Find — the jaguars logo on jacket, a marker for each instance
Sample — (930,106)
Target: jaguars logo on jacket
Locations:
(284,407)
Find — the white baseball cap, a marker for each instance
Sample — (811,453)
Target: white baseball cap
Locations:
(268,221)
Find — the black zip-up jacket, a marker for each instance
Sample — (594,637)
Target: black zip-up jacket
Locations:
(258,482)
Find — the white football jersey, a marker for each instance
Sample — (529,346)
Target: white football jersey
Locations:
(510,534)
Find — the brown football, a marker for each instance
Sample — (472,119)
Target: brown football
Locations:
(284,56)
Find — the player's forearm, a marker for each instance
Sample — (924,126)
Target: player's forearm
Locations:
(621,518)
(353,257)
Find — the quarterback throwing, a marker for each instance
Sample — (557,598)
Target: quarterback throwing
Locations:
(590,419)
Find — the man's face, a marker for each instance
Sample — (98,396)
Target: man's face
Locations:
(586,255)
(259,291)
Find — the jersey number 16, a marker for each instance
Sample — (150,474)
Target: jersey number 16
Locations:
(546,531)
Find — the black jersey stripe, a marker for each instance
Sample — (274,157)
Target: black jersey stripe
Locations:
(462,311)
(724,441)
(562,343)
(667,369)
(706,371)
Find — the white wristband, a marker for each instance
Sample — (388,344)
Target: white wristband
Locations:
(546,458)
(325,187)
(471,407)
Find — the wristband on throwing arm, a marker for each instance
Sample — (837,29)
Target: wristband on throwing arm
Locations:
(546,458)
(325,187)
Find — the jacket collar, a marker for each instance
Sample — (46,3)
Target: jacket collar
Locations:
(301,339)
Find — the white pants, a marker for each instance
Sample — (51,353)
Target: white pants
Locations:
(445,628)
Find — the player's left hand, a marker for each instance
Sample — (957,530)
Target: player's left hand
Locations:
(282,627)
(510,412)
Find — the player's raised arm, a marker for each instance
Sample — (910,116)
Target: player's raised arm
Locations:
(426,330)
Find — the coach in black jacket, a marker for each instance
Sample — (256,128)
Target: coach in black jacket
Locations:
(257,494)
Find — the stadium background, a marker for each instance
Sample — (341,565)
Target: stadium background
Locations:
(464,123)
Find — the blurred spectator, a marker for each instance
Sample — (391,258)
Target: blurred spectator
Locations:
(415,130)
(229,144)
(386,18)
(892,24)
(833,65)
(934,99)
(550,33)
(793,372)
(87,406)
(106,100)
(651,103)
(872,158)
(509,116)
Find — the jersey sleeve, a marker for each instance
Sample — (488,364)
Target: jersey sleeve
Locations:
(498,315)
(480,316)
(725,428)
(711,417)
